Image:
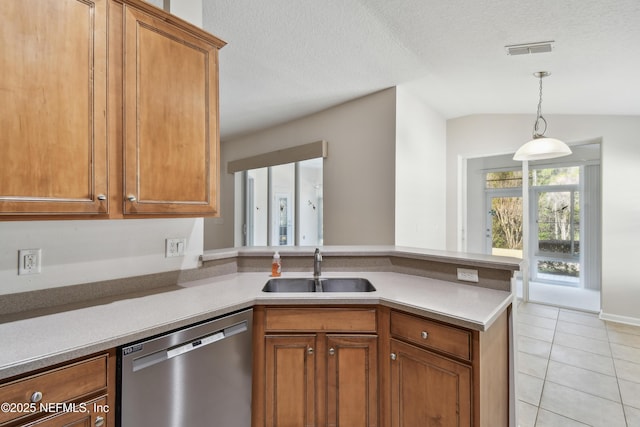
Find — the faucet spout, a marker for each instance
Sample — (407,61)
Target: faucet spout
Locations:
(317,261)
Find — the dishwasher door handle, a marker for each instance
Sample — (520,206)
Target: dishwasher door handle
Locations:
(162,355)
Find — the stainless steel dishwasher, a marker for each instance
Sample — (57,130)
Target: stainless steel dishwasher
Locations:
(199,376)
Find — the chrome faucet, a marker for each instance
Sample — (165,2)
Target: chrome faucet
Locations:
(317,260)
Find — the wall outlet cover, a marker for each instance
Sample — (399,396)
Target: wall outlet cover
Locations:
(175,247)
(29,261)
(468,275)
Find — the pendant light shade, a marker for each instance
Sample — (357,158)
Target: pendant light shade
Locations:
(541,147)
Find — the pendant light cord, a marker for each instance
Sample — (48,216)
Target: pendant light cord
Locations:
(536,133)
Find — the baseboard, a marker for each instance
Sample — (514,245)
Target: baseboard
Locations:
(619,319)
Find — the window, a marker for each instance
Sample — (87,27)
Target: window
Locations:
(282,197)
(284,205)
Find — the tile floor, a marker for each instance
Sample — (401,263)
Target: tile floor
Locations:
(575,369)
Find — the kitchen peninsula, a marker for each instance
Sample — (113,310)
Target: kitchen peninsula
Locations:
(418,294)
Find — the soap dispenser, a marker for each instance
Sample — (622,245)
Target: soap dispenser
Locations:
(276,265)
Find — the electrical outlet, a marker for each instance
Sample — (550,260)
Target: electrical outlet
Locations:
(468,275)
(29,261)
(175,247)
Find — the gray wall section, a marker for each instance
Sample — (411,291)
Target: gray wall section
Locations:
(359,172)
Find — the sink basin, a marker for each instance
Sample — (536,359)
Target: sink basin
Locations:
(355,284)
(328,284)
(290,284)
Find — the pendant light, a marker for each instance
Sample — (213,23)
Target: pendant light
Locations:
(541,147)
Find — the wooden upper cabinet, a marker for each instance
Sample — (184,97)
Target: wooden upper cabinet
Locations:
(106,116)
(53,136)
(171,136)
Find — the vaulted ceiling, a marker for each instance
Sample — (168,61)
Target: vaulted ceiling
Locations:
(289,58)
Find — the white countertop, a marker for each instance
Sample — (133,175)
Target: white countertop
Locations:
(36,342)
(484,260)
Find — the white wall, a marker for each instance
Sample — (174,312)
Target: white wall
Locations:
(75,252)
(420,171)
(359,172)
(189,10)
(481,135)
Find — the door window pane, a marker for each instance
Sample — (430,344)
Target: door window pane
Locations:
(558,222)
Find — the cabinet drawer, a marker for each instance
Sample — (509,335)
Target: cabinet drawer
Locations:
(64,384)
(320,319)
(425,333)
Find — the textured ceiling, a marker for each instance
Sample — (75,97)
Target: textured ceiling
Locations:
(289,58)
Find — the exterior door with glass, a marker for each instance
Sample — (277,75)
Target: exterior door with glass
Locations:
(556,235)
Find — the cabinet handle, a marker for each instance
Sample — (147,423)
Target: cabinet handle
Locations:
(36,397)
(310,350)
(424,335)
(102,197)
(99,421)
(131,198)
(332,351)
(394,356)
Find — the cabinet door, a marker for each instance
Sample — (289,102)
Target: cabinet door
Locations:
(171,148)
(53,136)
(427,389)
(86,414)
(352,381)
(290,381)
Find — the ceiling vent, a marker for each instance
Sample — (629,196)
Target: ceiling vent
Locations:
(527,48)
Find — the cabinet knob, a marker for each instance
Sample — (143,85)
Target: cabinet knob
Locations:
(36,397)
(99,421)
(102,197)
(394,356)
(332,351)
(131,198)
(424,335)
(310,350)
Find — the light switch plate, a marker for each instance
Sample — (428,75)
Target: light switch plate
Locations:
(29,261)
(175,247)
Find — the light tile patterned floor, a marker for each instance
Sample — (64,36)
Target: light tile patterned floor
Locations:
(575,369)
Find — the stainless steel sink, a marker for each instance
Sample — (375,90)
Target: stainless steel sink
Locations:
(350,284)
(325,284)
(290,284)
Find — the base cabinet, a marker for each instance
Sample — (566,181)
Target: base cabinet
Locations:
(322,371)
(444,375)
(91,414)
(290,383)
(352,378)
(74,394)
(428,389)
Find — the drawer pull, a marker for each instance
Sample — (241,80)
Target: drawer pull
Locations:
(102,197)
(332,351)
(424,335)
(99,421)
(36,397)
(310,350)
(393,356)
